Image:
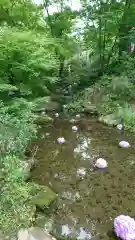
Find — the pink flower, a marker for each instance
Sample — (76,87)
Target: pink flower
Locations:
(101,163)
(124,227)
(61,140)
(74,129)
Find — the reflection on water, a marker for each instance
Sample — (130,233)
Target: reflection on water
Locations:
(82,148)
(81,172)
(65,231)
(88,199)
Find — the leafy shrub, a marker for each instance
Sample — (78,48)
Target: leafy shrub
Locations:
(28,60)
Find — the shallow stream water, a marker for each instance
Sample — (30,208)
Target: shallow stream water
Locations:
(89,200)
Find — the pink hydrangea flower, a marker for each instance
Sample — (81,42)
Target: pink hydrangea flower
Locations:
(74,129)
(101,163)
(61,140)
(124,227)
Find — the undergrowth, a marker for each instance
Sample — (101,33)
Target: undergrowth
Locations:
(17,129)
(111,95)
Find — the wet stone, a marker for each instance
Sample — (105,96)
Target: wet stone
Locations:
(34,233)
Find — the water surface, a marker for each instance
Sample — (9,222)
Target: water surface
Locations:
(88,200)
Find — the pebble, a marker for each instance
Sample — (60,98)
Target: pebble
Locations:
(47,134)
(43,113)
(72,120)
(119,126)
(57,115)
(124,144)
(77,115)
(11,93)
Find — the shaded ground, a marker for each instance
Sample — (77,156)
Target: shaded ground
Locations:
(87,198)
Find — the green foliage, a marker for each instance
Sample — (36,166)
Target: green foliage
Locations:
(17,108)
(20,13)
(27,59)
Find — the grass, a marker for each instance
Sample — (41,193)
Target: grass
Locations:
(17,129)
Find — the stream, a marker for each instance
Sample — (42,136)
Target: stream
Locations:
(88,199)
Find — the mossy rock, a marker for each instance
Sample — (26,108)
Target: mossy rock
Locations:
(53,106)
(44,198)
(35,233)
(43,119)
(110,120)
(46,104)
(90,108)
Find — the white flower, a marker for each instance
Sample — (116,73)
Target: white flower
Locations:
(72,120)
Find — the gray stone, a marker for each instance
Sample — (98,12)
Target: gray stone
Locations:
(34,233)
(90,108)
(3,237)
(109,120)
(52,106)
